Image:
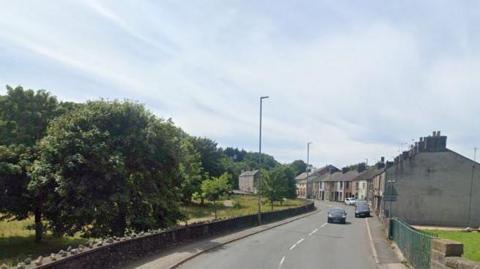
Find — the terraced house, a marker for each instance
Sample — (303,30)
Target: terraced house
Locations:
(431,185)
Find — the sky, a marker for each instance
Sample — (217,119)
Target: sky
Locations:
(358,79)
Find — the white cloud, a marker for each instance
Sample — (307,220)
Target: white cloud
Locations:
(356,84)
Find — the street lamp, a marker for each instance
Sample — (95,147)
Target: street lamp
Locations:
(308,164)
(259,164)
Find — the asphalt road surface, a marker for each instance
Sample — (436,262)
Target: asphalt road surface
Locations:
(306,243)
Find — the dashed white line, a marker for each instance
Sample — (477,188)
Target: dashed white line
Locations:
(300,241)
(323,225)
(281,262)
(312,232)
(293,246)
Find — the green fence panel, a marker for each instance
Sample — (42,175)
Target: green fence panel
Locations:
(415,245)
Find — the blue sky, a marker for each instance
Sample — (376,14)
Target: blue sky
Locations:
(359,79)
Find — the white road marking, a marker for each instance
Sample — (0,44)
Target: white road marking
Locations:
(281,262)
(323,225)
(312,232)
(300,241)
(293,246)
(374,251)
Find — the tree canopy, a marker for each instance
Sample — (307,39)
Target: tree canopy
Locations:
(108,167)
(102,167)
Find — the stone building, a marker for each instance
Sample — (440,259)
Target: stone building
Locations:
(248,181)
(432,185)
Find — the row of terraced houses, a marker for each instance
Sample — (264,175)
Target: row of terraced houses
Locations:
(429,184)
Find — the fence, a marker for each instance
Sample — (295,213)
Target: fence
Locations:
(415,245)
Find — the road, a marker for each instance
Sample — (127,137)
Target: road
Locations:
(306,243)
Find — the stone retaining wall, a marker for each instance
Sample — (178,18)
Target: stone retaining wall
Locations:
(115,252)
(446,254)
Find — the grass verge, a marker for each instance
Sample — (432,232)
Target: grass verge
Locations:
(471,241)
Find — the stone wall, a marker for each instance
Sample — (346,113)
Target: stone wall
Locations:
(446,254)
(115,252)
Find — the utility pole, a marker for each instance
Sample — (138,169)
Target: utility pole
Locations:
(259,164)
(308,164)
(475,154)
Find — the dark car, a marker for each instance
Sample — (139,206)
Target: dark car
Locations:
(362,210)
(361,202)
(337,215)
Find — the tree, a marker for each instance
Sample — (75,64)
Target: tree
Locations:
(190,169)
(25,114)
(15,201)
(108,167)
(216,187)
(275,184)
(24,117)
(210,155)
(298,167)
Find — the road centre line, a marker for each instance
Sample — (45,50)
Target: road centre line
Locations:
(293,246)
(281,262)
(323,225)
(312,232)
(300,241)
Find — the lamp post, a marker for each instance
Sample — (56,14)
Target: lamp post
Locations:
(308,164)
(259,164)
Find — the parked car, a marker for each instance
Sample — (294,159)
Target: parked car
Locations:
(360,202)
(362,210)
(337,215)
(350,201)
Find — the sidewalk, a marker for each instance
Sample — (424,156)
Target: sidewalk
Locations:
(175,256)
(386,257)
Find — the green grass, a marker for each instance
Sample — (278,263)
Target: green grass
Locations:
(242,205)
(17,242)
(471,242)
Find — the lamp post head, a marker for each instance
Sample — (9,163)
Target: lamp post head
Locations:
(264,97)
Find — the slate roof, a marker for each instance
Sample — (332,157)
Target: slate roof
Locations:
(339,176)
(249,173)
(316,174)
(369,173)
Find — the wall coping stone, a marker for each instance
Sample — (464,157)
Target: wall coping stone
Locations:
(449,248)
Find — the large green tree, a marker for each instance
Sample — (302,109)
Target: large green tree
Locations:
(25,114)
(191,169)
(24,117)
(108,167)
(210,155)
(298,167)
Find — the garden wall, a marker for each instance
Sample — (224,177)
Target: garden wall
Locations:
(116,252)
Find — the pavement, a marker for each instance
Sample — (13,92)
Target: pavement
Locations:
(305,241)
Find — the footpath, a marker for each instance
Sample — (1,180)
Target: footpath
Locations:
(385,254)
(173,257)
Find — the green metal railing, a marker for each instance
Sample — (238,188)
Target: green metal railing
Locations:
(415,245)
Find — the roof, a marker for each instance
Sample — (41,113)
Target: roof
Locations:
(317,173)
(249,173)
(369,173)
(339,176)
